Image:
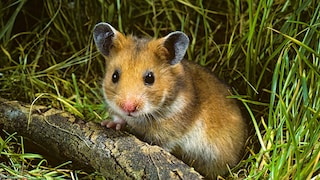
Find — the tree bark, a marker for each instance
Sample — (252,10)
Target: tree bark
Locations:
(115,154)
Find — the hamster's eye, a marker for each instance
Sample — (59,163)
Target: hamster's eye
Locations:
(115,76)
(148,78)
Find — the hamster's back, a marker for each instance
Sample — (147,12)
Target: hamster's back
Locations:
(222,121)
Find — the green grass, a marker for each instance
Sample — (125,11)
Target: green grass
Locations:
(267,50)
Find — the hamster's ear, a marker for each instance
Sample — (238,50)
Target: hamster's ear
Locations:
(104,36)
(177,44)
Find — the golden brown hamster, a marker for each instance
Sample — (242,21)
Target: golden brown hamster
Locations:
(170,102)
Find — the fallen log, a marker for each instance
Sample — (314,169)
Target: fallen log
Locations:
(115,154)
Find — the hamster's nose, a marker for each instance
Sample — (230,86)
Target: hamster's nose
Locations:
(129,106)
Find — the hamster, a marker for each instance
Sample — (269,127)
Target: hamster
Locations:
(170,102)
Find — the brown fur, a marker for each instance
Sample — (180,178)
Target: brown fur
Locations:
(191,114)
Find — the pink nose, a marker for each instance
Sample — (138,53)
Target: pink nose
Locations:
(129,107)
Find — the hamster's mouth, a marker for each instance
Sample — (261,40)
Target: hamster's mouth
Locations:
(131,114)
(137,115)
(140,112)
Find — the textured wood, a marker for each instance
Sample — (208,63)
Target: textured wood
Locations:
(116,155)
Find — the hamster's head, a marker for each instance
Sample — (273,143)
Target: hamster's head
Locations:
(143,76)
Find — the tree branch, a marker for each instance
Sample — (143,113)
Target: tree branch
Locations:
(116,155)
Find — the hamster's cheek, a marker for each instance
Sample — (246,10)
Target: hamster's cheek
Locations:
(113,106)
(148,108)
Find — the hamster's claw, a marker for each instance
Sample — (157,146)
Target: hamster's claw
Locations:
(114,125)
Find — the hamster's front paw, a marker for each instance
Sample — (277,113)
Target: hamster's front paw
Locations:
(116,124)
